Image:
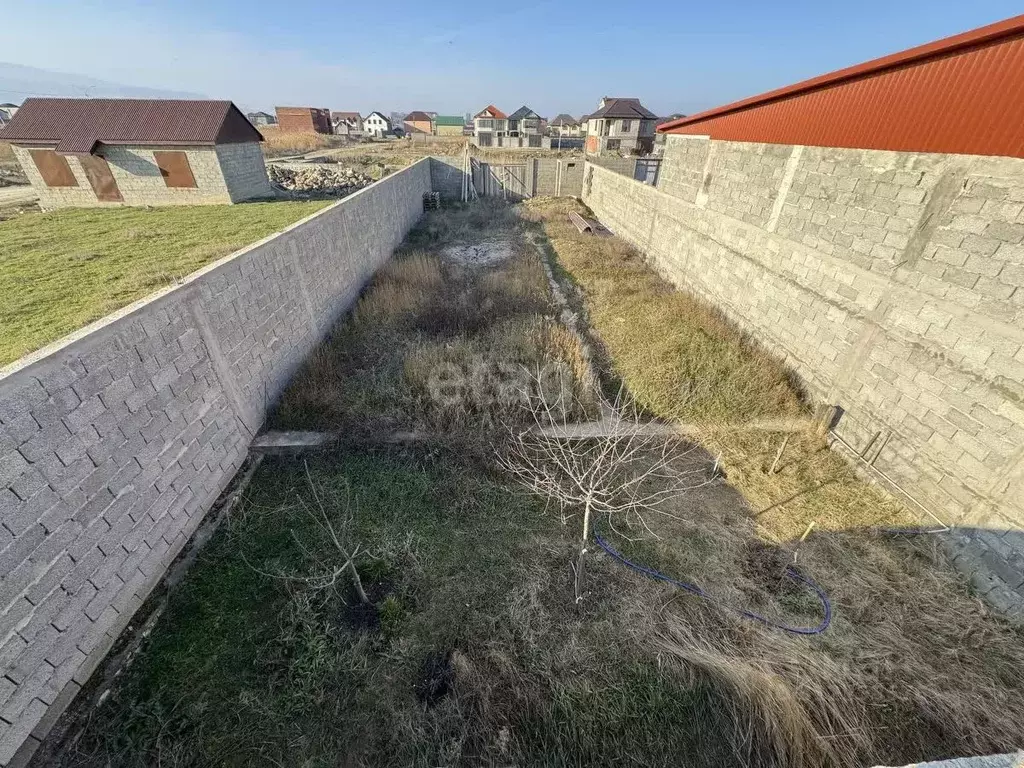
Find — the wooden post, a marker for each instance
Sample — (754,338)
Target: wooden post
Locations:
(778,456)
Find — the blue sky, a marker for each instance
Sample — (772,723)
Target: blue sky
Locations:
(455,56)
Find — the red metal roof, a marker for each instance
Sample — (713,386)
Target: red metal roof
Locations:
(75,126)
(963,94)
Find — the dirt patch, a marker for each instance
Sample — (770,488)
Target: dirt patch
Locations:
(362,617)
(766,566)
(483,254)
(436,679)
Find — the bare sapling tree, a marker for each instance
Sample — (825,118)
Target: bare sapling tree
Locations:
(336,523)
(617,469)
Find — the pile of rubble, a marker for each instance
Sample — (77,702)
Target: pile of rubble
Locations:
(10,177)
(318,180)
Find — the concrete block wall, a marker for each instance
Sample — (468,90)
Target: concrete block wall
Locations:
(893,283)
(558,177)
(223,174)
(115,442)
(244,171)
(534,177)
(446,174)
(624,165)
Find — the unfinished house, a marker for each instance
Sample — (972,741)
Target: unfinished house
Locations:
(304,119)
(566,126)
(489,124)
(261,118)
(347,123)
(523,129)
(91,152)
(620,126)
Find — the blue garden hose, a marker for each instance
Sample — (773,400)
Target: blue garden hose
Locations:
(791,572)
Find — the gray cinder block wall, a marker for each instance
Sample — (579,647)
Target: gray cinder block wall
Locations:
(533,177)
(115,442)
(893,283)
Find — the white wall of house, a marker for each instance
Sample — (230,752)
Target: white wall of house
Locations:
(376,125)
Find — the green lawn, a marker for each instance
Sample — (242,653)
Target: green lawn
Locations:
(62,270)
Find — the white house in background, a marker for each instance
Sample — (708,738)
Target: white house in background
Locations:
(376,124)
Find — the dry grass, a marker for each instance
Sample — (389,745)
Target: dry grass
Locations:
(279,144)
(914,665)
(438,345)
(482,656)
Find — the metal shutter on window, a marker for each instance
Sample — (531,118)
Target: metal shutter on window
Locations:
(53,168)
(175,168)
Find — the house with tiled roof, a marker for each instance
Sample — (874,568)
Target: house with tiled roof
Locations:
(620,126)
(527,124)
(90,152)
(523,129)
(565,125)
(489,125)
(418,122)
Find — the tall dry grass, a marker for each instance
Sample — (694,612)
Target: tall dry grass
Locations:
(913,666)
(280,144)
(440,345)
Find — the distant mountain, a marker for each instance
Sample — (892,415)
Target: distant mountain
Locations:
(18,82)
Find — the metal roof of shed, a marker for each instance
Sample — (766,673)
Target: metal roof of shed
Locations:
(75,126)
(962,94)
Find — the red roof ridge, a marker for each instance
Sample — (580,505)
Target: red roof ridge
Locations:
(976,37)
(493,110)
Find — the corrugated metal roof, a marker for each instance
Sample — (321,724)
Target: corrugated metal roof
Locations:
(963,94)
(75,126)
(449,120)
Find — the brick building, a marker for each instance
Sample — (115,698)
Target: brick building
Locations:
(92,152)
(304,120)
(418,122)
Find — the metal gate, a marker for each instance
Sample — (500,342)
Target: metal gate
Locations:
(646,170)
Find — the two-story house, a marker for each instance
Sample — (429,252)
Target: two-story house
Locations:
(523,129)
(347,123)
(620,126)
(566,126)
(418,122)
(489,124)
(377,125)
(525,123)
